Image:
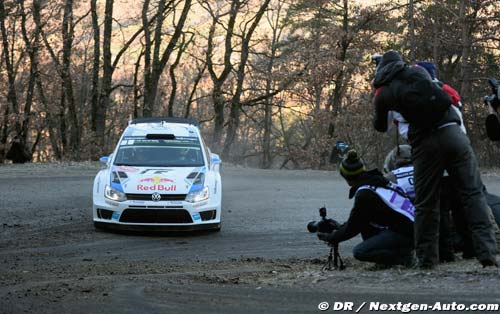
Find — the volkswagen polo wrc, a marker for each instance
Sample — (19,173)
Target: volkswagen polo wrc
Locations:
(160,176)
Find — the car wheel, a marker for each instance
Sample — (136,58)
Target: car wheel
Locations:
(217,229)
(99,226)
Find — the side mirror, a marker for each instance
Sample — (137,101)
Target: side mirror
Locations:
(104,159)
(216,162)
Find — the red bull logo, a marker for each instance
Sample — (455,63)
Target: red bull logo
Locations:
(156,180)
(156,183)
(157,187)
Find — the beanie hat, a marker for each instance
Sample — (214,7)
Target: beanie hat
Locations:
(395,159)
(429,67)
(351,166)
(388,57)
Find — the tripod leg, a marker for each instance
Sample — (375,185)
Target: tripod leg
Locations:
(328,265)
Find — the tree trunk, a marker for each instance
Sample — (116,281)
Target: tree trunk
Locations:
(51,125)
(435,34)
(146,110)
(219,80)
(136,87)
(219,101)
(67,84)
(158,63)
(4,134)
(234,115)
(268,102)
(335,99)
(12,105)
(107,76)
(11,76)
(95,65)
(411,30)
(197,80)
(466,46)
(62,123)
(173,80)
(32,49)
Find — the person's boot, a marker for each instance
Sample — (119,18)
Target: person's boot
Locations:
(489,263)
(446,257)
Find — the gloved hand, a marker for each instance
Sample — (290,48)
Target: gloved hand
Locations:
(327,237)
(495,103)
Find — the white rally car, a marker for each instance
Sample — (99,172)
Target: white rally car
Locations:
(160,176)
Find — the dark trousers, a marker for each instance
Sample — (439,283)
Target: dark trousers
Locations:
(448,148)
(446,250)
(494,203)
(386,247)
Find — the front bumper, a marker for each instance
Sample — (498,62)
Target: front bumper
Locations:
(162,215)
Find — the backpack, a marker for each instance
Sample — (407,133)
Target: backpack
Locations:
(420,101)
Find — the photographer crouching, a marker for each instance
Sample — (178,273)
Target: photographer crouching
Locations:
(382,214)
(493,103)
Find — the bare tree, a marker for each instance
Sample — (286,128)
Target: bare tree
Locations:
(173,80)
(411,29)
(51,124)
(234,115)
(277,26)
(107,75)
(13,105)
(197,79)
(68,35)
(155,62)
(218,80)
(95,67)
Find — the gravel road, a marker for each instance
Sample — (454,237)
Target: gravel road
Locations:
(54,261)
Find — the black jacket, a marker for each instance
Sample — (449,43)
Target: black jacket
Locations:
(385,101)
(493,127)
(369,209)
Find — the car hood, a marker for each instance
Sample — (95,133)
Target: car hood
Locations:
(147,180)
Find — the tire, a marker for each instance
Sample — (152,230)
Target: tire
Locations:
(218,228)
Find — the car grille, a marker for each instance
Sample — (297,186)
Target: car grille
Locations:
(208,215)
(164,197)
(136,215)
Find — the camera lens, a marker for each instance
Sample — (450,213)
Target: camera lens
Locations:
(312,227)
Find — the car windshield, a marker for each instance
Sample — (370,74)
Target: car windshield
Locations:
(142,152)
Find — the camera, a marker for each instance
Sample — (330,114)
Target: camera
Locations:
(494,99)
(376,58)
(338,152)
(325,225)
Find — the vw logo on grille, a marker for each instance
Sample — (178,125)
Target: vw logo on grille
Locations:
(156,196)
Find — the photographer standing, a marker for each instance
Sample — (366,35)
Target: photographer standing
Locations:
(381,214)
(492,120)
(438,144)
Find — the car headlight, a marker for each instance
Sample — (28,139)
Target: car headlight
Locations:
(114,194)
(198,196)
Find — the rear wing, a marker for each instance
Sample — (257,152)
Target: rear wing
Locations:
(166,120)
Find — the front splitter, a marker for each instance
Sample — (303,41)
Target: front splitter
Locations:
(155,228)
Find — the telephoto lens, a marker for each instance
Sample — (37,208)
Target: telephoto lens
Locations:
(312,226)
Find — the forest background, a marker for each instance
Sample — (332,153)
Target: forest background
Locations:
(274,83)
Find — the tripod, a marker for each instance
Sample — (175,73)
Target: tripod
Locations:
(334,258)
